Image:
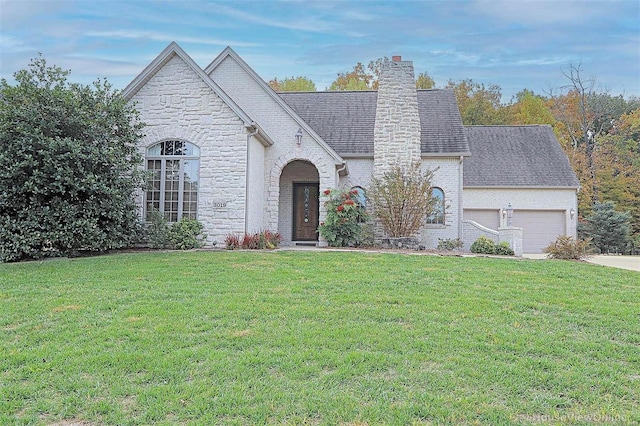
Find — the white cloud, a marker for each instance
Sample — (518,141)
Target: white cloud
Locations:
(11,44)
(156,36)
(542,61)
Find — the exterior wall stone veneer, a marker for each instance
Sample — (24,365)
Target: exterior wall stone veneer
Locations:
(282,127)
(513,236)
(245,182)
(472,230)
(176,104)
(396,135)
(326,178)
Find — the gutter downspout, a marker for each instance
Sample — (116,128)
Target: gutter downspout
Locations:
(341,169)
(460,177)
(246,181)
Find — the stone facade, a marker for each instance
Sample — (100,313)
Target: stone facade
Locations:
(397,126)
(282,126)
(176,104)
(251,156)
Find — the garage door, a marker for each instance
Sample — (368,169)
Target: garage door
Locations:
(486,218)
(539,228)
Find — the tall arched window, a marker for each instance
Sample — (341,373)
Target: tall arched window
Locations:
(172,188)
(437,214)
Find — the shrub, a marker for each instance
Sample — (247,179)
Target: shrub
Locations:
(186,234)
(250,242)
(449,244)
(157,230)
(504,249)
(258,241)
(232,242)
(402,199)
(271,239)
(68,168)
(343,225)
(483,245)
(565,247)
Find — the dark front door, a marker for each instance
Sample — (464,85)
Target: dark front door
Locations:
(306,205)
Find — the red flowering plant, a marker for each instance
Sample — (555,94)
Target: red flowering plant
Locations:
(345,218)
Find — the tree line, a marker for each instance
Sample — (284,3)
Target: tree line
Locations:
(599,131)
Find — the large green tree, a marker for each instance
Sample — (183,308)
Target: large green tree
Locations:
(617,164)
(68,166)
(363,77)
(587,118)
(529,108)
(293,84)
(359,78)
(478,104)
(424,81)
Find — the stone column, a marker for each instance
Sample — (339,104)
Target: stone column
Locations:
(512,235)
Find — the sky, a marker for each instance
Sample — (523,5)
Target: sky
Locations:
(514,44)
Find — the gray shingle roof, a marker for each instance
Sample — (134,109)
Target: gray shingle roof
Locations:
(442,129)
(345,120)
(516,156)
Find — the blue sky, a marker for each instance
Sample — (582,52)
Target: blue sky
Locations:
(515,44)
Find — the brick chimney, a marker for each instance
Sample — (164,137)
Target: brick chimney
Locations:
(396,138)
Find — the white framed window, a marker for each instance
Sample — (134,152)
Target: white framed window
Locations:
(437,214)
(173,168)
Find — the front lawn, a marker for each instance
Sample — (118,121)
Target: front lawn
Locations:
(317,337)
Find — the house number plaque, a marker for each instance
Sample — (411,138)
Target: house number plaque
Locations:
(216,204)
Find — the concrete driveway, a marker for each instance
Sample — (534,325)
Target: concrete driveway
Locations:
(631,263)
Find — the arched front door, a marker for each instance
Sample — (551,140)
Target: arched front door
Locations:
(299,204)
(306,208)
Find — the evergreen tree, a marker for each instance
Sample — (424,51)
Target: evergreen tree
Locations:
(609,229)
(68,166)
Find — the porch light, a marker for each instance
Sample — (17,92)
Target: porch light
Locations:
(299,137)
(572,213)
(508,212)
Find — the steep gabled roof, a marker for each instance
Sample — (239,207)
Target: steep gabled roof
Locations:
(165,56)
(516,156)
(228,52)
(346,120)
(174,50)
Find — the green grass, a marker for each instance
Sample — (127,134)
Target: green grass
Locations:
(317,338)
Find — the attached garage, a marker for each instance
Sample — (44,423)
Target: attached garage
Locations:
(489,218)
(525,167)
(539,228)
